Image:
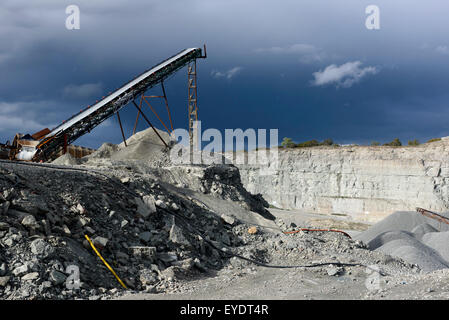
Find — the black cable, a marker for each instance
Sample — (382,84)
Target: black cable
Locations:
(341,264)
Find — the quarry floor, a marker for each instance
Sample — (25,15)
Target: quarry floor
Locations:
(261,283)
(184,232)
(271,284)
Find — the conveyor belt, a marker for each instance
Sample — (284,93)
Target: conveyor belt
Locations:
(88,119)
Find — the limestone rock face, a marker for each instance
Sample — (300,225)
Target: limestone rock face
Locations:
(367,183)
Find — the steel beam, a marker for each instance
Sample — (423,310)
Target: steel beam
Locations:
(192,99)
(148,121)
(121,128)
(166,104)
(433,215)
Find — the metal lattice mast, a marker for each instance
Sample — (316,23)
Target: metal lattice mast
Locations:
(193,106)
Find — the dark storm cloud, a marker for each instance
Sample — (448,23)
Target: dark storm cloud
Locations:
(268,52)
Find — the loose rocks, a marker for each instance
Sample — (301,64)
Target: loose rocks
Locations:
(41,248)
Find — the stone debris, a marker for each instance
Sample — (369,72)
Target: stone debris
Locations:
(151,221)
(100,242)
(145,206)
(130,217)
(333,270)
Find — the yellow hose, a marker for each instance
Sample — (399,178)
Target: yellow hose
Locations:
(104,261)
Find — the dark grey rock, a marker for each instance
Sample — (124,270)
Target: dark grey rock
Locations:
(4,207)
(145,236)
(4,226)
(3,269)
(57,277)
(145,206)
(100,242)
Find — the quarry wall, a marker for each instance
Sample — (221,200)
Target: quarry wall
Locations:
(367,183)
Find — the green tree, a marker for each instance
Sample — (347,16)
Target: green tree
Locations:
(413,142)
(327,142)
(306,144)
(395,143)
(375,143)
(287,143)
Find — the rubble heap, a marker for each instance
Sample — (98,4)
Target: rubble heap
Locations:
(46,213)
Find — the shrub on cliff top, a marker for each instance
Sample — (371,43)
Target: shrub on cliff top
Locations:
(311,143)
(413,142)
(433,140)
(287,143)
(316,143)
(395,143)
(327,142)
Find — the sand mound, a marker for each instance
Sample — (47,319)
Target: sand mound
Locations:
(149,136)
(413,251)
(439,241)
(105,151)
(411,236)
(388,236)
(144,145)
(67,160)
(422,229)
(400,220)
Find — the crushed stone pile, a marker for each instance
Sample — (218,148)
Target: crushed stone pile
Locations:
(67,160)
(144,146)
(132,210)
(411,236)
(45,213)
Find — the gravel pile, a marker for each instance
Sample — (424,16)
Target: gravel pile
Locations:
(413,237)
(147,239)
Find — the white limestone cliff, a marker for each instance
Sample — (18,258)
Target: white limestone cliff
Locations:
(367,183)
